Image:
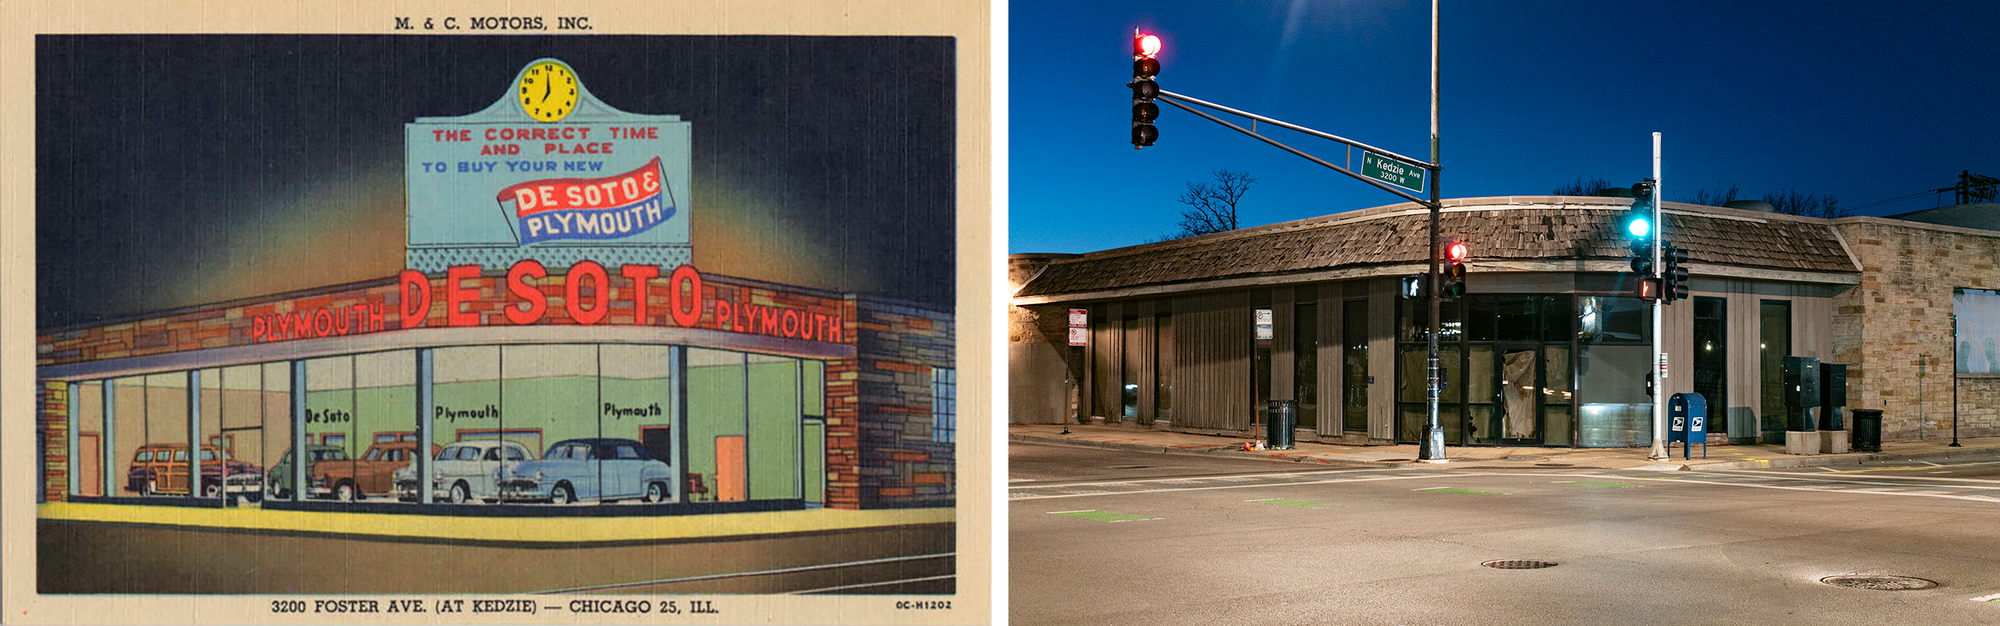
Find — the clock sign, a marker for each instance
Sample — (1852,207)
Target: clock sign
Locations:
(547,91)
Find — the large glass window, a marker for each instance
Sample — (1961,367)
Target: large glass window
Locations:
(1354,365)
(1711,359)
(1128,370)
(1163,368)
(548,394)
(129,433)
(329,423)
(1774,328)
(90,440)
(1305,360)
(716,428)
(1976,319)
(164,456)
(774,427)
(1615,340)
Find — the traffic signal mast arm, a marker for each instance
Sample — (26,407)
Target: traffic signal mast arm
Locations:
(1176,100)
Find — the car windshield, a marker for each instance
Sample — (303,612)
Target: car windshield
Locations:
(515,454)
(144,455)
(207,455)
(329,455)
(629,452)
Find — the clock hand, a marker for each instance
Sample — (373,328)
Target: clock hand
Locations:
(545,91)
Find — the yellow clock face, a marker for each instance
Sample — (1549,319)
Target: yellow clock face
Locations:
(548,91)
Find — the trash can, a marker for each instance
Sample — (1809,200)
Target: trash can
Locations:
(1283,417)
(1867,430)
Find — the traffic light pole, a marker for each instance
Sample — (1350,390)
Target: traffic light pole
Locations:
(1659,373)
(1432,450)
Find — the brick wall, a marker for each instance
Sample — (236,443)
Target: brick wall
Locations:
(1037,339)
(900,462)
(1902,312)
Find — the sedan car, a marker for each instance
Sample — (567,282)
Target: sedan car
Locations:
(162,468)
(604,470)
(466,470)
(281,474)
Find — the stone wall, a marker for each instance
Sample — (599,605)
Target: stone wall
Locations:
(55,443)
(1036,338)
(1898,321)
(898,350)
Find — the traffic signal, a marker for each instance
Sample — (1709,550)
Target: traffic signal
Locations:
(1674,280)
(1145,65)
(1412,287)
(1452,283)
(1640,230)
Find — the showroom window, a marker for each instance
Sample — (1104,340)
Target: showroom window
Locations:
(944,405)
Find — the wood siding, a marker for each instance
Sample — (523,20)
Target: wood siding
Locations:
(1212,340)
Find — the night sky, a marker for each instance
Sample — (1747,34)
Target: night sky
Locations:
(1870,102)
(182,170)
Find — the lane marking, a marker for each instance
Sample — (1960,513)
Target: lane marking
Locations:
(1923,462)
(1584,482)
(1988,481)
(1665,479)
(1297,504)
(1228,477)
(1017,498)
(1105,516)
(1991,598)
(1020,480)
(1458,491)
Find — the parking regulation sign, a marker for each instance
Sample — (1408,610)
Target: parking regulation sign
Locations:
(1079,322)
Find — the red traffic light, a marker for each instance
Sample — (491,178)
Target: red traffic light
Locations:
(1145,45)
(1457,251)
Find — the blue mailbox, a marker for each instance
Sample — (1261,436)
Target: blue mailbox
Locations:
(1687,413)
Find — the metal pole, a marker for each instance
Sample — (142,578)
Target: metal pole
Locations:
(1659,452)
(1954,382)
(1432,449)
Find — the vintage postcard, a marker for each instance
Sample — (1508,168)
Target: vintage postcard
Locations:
(556,313)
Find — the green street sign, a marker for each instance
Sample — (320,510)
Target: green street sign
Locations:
(1406,175)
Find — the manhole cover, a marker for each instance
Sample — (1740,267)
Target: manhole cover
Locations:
(1518,564)
(1879,583)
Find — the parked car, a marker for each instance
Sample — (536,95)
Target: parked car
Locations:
(281,474)
(605,470)
(372,474)
(465,470)
(162,469)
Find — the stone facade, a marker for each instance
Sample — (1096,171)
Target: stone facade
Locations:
(1894,330)
(1037,335)
(55,439)
(902,461)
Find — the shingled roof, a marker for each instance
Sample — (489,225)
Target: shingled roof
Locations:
(1540,228)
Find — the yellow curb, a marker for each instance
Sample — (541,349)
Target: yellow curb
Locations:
(511,529)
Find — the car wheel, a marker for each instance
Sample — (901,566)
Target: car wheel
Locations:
(562,494)
(461,492)
(346,492)
(656,492)
(211,490)
(149,488)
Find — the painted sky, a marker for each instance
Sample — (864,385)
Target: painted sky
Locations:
(1863,101)
(181,170)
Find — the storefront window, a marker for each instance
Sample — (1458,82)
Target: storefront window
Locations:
(716,429)
(90,438)
(638,399)
(1615,336)
(165,456)
(329,423)
(774,427)
(275,404)
(129,432)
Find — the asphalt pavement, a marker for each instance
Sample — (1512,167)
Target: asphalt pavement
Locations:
(1102,534)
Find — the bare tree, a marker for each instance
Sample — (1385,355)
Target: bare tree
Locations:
(1791,202)
(1716,196)
(1212,206)
(1595,186)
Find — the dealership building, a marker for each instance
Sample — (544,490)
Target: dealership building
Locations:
(1550,345)
(571,311)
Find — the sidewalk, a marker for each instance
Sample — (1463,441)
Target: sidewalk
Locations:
(1720,457)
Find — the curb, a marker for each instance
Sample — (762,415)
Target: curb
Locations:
(1232,451)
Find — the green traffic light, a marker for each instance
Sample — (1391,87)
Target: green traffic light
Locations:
(1640,227)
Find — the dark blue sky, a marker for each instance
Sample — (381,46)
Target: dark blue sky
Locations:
(1863,101)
